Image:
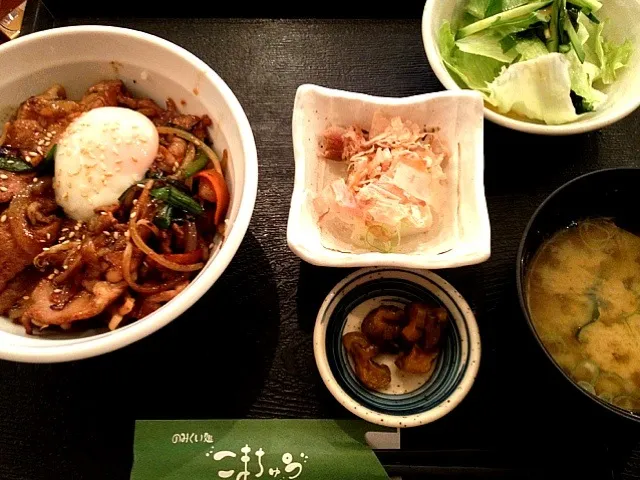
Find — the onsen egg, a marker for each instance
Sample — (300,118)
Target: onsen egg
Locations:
(101,154)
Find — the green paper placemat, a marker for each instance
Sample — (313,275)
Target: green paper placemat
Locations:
(248,449)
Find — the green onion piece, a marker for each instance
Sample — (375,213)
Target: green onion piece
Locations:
(15,164)
(167,180)
(553,43)
(500,18)
(198,163)
(164,217)
(176,198)
(575,40)
(46,165)
(564,48)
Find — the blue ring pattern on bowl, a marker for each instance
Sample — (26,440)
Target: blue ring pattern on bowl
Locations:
(452,361)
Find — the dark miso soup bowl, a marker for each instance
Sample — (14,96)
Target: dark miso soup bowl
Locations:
(611,193)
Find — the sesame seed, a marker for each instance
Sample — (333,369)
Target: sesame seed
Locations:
(3,176)
(83,237)
(64,267)
(211,246)
(4,189)
(135,200)
(64,243)
(40,151)
(141,185)
(176,164)
(76,228)
(45,249)
(35,179)
(33,154)
(41,141)
(65,229)
(10,161)
(50,277)
(126,234)
(133,215)
(26,297)
(3,218)
(106,233)
(103,213)
(57,290)
(56,271)
(48,236)
(116,235)
(72,234)
(53,133)
(61,239)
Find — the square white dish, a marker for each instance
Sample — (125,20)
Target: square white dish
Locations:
(466,240)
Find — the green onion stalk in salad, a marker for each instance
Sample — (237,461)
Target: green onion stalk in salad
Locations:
(544,60)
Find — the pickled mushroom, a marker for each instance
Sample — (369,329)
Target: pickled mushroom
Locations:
(372,374)
(382,326)
(417,360)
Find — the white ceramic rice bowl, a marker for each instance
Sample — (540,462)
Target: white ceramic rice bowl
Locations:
(78,57)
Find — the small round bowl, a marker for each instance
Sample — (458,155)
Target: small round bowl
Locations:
(78,57)
(609,193)
(414,401)
(624,93)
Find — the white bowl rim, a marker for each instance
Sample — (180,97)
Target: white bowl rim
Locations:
(62,351)
(397,421)
(602,120)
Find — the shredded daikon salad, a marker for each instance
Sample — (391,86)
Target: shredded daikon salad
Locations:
(387,192)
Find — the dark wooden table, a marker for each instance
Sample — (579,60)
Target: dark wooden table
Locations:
(245,350)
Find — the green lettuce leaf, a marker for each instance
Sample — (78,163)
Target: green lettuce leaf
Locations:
(593,43)
(497,6)
(615,58)
(487,44)
(582,76)
(470,70)
(515,20)
(530,48)
(477,8)
(539,89)
(608,56)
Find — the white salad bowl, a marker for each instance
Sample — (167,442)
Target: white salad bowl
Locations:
(464,237)
(623,94)
(78,57)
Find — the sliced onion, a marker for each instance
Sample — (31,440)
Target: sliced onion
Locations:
(156,257)
(146,289)
(196,141)
(146,223)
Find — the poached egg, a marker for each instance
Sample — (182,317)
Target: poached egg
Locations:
(101,154)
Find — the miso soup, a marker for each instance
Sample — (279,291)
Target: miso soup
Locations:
(583,293)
